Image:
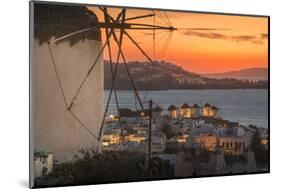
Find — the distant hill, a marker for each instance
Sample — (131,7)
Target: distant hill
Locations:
(167,76)
(250,73)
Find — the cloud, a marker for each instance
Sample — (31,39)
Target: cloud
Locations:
(249,38)
(264,35)
(205,29)
(237,38)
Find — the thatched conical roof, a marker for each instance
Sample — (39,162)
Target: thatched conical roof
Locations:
(214,108)
(172,107)
(157,109)
(207,105)
(185,105)
(52,20)
(196,106)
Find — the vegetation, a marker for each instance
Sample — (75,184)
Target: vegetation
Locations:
(166,129)
(93,168)
(261,153)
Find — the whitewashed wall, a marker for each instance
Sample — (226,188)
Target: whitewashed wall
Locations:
(55,129)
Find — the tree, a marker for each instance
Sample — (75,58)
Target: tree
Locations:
(261,153)
(256,141)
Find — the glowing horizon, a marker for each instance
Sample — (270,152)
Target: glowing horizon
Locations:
(204,43)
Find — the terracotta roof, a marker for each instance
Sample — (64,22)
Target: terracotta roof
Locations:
(58,20)
(172,107)
(185,105)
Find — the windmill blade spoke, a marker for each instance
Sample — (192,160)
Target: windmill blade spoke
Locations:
(160,16)
(152,72)
(64,98)
(137,45)
(93,65)
(128,72)
(57,75)
(95,28)
(83,125)
(143,52)
(115,72)
(153,37)
(104,10)
(138,17)
(86,76)
(159,20)
(111,26)
(112,73)
(169,22)
(84,99)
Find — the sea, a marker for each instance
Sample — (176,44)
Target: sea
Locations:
(246,106)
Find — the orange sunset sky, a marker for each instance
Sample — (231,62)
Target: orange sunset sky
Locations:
(203,43)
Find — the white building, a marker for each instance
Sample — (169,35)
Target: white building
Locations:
(217,162)
(233,145)
(236,131)
(158,142)
(185,111)
(207,110)
(54,128)
(195,111)
(43,164)
(183,164)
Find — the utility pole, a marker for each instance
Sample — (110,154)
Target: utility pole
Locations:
(149,131)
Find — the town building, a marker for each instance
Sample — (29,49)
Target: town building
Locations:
(43,164)
(208,142)
(251,160)
(132,146)
(111,139)
(233,145)
(191,128)
(235,131)
(135,138)
(158,142)
(177,127)
(182,138)
(183,164)
(217,162)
